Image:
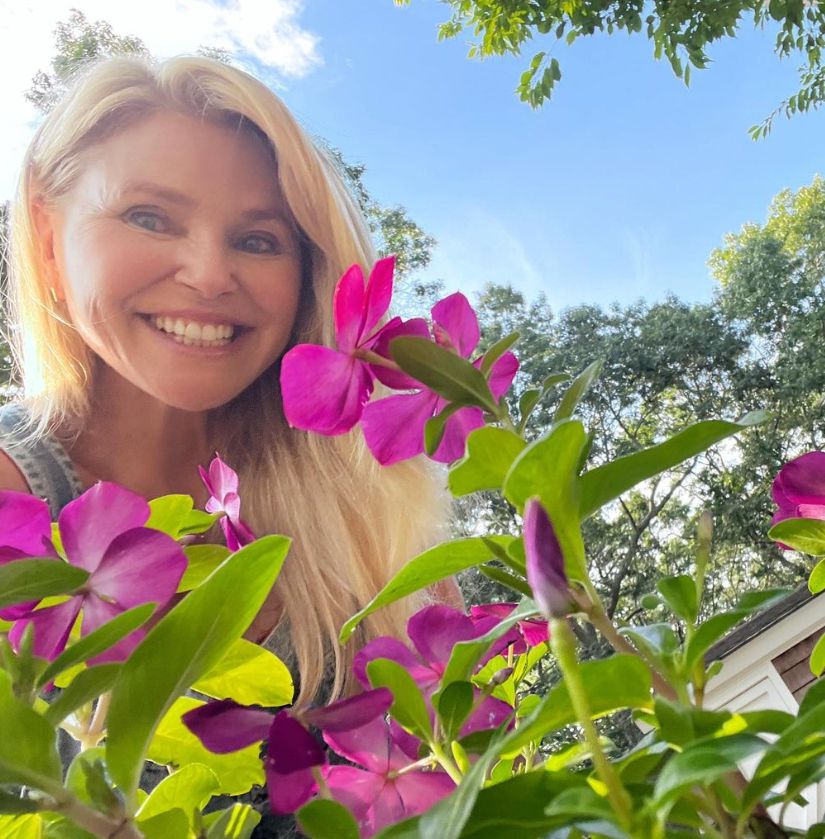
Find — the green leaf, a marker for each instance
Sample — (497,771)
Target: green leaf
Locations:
(408,708)
(167,512)
(804,535)
(236,822)
(32,579)
(202,561)
(171,824)
(327,819)
(189,789)
(86,686)
(818,657)
(657,638)
(249,674)
(490,453)
(98,641)
(506,578)
(611,684)
(816,582)
(175,746)
(548,468)
(443,371)
(21,827)
(605,483)
(435,427)
(422,571)
(680,594)
(28,749)
(184,645)
(579,386)
(454,705)
(497,351)
(197,522)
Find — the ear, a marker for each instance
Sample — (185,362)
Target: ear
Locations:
(44,225)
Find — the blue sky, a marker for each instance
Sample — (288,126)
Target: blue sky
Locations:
(618,188)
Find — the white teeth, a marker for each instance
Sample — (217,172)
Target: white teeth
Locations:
(192,333)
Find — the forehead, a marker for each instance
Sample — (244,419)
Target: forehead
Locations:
(186,155)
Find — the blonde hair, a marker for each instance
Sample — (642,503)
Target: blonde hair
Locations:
(353,522)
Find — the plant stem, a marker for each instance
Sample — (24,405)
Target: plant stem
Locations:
(97,725)
(446,762)
(564,648)
(92,821)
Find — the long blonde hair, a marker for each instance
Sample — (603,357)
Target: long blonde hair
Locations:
(353,522)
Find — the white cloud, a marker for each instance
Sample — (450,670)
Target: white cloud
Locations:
(260,33)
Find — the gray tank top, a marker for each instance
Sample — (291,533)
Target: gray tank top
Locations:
(42,461)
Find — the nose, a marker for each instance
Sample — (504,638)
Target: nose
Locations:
(206,266)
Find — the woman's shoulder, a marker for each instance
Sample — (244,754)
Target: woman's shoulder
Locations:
(13,418)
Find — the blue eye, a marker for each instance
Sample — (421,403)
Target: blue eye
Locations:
(255,243)
(147,220)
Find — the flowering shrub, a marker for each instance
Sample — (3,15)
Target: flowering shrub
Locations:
(126,633)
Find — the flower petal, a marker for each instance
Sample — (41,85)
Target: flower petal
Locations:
(545,562)
(435,630)
(323,390)
(489,713)
(96,612)
(802,480)
(382,647)
(25,524)
(356,789)
(419,791)
(225,726)
(90,523)
(348,308)
(456,431)
(370,745)
(396,328)
(352,712)
(394,427)
(140,566)
(52,627)
(535,632)
(291,747)
(378,297)
(287,791)
(237,533)
(455,316)
(502,373)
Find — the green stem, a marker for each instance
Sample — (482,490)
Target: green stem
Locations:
(446,762)
(564,648)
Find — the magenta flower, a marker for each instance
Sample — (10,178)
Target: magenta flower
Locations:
(526,633)
(324,389)
(102,532)
(394,427)
(799,488)
(292,752)
(545,562)
(434,631)
(379,794)
(222,484)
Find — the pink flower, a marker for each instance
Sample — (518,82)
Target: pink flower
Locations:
(545,562)
(434,631)
(324,389)
(799,488)
(379,795)
(102,532)
(222,485)
(292,752)
(394,426)
(526,633)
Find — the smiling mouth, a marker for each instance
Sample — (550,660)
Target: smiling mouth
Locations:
(192,333)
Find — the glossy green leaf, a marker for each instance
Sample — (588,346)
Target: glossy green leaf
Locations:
(454,705)
(86,775)
(443,371)
(171,824)
(606,483)
(622,681)
(28,749)
(175,746)
(168,512)
(548,468)
(197,522)
(422,571)
(804,535)
(578,387)
(249,674)
(236,822)
(818,657)
(816,582)
(202,561)
(408,707)
(659,639)
(184,645)
(86,686)
(98,641)
(497,351)
(189,789)
(680,594)
(327,819)
(435,427)
(490,453)
(32,579)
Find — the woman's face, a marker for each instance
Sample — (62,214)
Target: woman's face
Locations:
(177,258)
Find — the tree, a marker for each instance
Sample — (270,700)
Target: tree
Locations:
(680,31)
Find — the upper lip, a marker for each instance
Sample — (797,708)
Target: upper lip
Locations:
(199,316)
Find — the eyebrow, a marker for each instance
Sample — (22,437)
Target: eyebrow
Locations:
(175,197)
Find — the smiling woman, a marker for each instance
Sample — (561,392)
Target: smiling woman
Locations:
(175,231)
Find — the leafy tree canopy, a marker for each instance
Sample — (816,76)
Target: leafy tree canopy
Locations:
(680,31)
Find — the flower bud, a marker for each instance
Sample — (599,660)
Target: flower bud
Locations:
(545,562)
